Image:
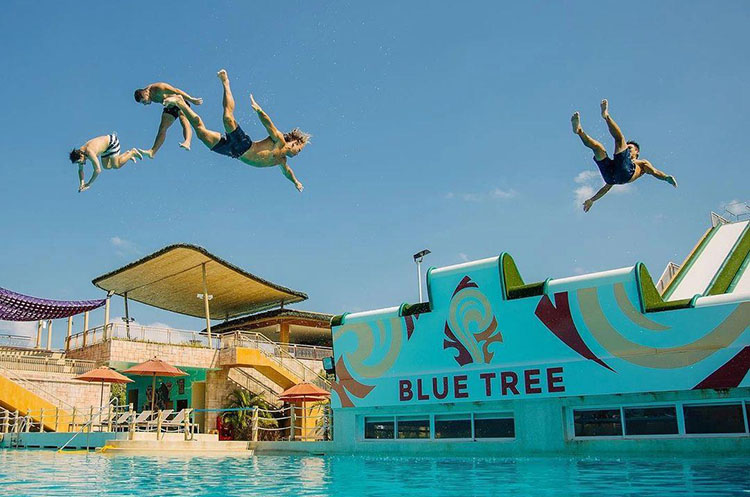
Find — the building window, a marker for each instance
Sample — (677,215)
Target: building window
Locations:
(453,426)
(379,428)
(597,423)
(413,427)
(650,420)
(494,425)
(705,419)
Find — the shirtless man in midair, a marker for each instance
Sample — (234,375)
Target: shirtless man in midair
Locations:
(108,148)
(625,167)
(269,152)
(157,92)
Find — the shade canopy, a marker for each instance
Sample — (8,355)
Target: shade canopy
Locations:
(155,367)
(172,278)
(103,375)
(304,391)
(18,307)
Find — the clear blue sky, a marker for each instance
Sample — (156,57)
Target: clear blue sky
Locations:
(438,126)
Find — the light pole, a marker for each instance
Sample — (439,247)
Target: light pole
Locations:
(418,257)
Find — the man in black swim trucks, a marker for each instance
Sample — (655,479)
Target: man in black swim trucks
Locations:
(269,152)
(157,92)
(625,167)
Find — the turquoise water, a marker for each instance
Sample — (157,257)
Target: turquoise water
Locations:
(46,473)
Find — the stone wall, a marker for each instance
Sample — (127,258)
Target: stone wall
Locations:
(124,351)
(79,394)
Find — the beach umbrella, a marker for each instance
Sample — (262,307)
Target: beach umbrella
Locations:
(154,367)
(103,375)
(303,392)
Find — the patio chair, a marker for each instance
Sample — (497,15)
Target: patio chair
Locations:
(142,420)
(153,424)
(177,422)
(121,421)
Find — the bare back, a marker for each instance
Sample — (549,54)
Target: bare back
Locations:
(96,146)
(265,153)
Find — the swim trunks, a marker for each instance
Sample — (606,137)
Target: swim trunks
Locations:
(174,110)
(113,148)
(617,171)
(233,144)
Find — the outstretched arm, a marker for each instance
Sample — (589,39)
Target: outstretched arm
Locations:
(169,89)
(275,134)
(648,168)
(602,192)
(287,171)
(97,169)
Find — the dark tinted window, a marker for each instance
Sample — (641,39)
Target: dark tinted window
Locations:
(377,428)
(714,419)
(453,426)
(599,423)
(494,426)
(409,427)
(650,421)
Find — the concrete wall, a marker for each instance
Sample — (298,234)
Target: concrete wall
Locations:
(540,428)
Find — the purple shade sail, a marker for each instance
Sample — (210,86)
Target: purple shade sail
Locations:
(17,307)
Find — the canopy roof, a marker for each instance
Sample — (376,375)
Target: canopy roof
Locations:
(18,307)
(172,277)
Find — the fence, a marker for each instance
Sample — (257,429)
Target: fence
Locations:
(45,364)
(21,341)
(293,423)
(138,333)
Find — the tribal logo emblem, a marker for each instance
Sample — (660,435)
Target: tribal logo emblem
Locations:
(471,326)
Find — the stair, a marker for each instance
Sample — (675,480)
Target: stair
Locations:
(243,357)
(15,397)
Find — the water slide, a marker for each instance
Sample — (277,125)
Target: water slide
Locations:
(712,265)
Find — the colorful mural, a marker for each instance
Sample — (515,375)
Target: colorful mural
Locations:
(585,335)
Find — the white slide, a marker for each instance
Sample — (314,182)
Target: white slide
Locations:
(743,285)
(709,262)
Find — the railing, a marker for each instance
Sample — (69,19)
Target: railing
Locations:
(309,352)
(666,277)
(7,340)
(138,333)
(277,353)
(33,386)
(90,423)
(292,423)
(254,385)
(45,364)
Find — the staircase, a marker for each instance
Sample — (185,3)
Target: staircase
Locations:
(27,399)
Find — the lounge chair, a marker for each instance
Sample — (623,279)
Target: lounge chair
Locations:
(142,420)
(177,422)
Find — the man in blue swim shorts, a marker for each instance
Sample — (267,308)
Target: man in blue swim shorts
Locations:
(269,152)
(625,167)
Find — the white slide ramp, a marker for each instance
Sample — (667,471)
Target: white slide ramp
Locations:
(700,274)
(743,284)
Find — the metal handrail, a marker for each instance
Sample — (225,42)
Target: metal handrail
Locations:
(265,389)
(278,355)
(32,386)
(7,339)
(90,422)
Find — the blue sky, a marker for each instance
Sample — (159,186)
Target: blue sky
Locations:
(434,125)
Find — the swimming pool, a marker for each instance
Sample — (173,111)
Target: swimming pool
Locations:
(46,473)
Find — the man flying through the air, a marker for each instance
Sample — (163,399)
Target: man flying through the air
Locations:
(625,167)
(108,148)
(156,92)
(271,151)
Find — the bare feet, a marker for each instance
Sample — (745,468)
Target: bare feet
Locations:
(222,74)
(185,145)
(605,109)
(83,188)
(173,100)
(670,179)
(576,122)
(299,186)
(148,153)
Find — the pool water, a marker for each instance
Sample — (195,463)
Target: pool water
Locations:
(47,473)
